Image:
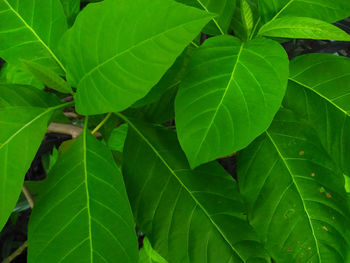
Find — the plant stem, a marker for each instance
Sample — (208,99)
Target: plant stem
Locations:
(28,196)
(63,128)
(101,123)
(15,254)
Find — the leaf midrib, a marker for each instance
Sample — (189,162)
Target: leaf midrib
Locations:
(32,121)
(35,35)
(180,182)
(132,47)
(299,193)
(319,94)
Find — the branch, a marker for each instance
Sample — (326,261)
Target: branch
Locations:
(63,128)
(15,254)
(28,196)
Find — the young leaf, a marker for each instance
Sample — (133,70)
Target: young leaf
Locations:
(326,10)
(112,71)
(303,27)
(32,31)
(24,116)
(319,92)
(230,95)
(47,76)
(83,215)
(224,10)
(189,216)
(149,255)
(296,196)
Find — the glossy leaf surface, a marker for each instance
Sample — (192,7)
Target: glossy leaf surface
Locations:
(318,91)
(296,196)
(229,97)
(112,71)
(303,27)
(189,216)
(32,31)
(24,116)
(83,215)
(326,10)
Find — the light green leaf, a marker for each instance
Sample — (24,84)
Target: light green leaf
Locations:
(15,74)
(224,10)
(149,255)
(303,27)
(189,216)
(32,31)
(47,76)
(230,96)
(24,116)
(83,215)
(296,196)
(112,71)
(326,10)
(319,92)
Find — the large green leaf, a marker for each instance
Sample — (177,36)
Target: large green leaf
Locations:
(319,91)
(113,70)
(83,215)
(224,10)
(230,95)
(327,10)
(189,216)
(24,116)
(303,27)
(31,30)
(296,196)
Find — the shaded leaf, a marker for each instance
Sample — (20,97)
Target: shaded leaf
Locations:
(229,96)
(117,138)
(149,255)
(83,215)
(112,71)
(295,192)
(189,216)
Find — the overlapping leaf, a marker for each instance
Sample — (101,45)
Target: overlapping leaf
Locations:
(297,201)
(224,10)
(303,27)
(24,115)
(326,10)
(319,91)
(229,97)
(113,70)
(31,30)
(189,216)
(83,215)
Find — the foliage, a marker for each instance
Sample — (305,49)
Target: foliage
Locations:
(159,90)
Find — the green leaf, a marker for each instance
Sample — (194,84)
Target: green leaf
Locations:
(112,71)
(318,91)
(303,27)
(224,10)
(24,116)
(32,31)
(189,216)
(83,215)
(230,96)
(296,196)
(15,74)
(117,138)
(47,76)
(329,11)
(149,255)
(71,9)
